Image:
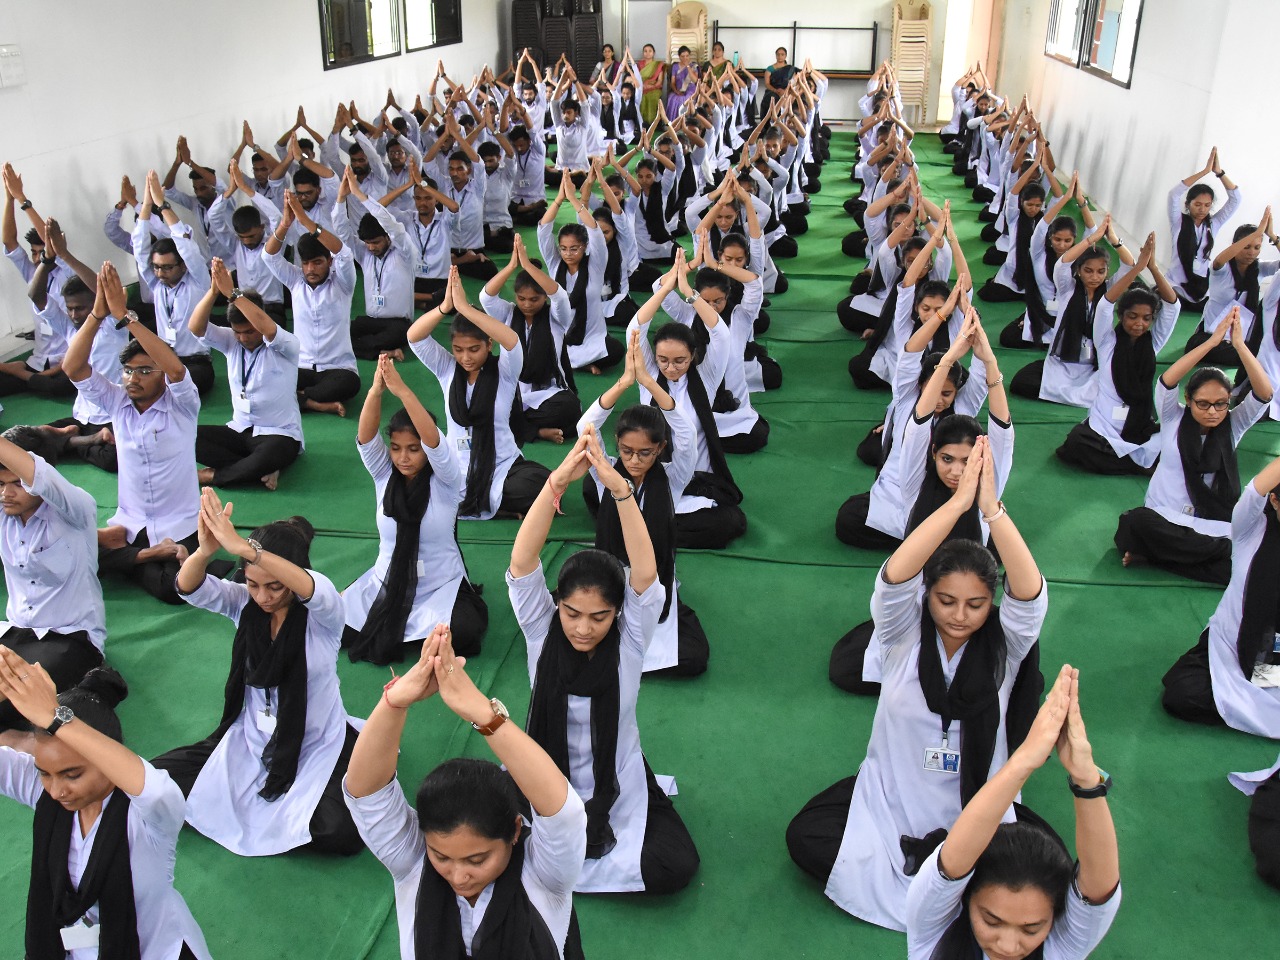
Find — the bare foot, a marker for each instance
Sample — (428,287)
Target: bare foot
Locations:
(205,476)
(396,355)
(319,407)
(100,439)
(70,430)
(112,538)
(1131,559)
(594,369)
(868,333)
(554,434)
(271,480)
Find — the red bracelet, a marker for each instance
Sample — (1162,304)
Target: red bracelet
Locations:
(387,686)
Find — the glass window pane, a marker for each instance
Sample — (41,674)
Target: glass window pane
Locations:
(1063,37)
(359,30)
(432,23)
(1114,32)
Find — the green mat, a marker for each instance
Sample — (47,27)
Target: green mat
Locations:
(763,730)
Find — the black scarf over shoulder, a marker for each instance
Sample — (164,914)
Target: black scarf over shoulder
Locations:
(657,506)
(1024,274)
(563,672)
(478,417)
(538,341)
(258,661)
(612,269)
(382,638)
(1133,371)
(725,401)
(1217,456)
(1037,312)
(577,299)
(1260,615)
(654,216)
(607,122)
(53,903)
(933,494)
(1075,324)
(884,322)
(721,477)
(1188,247)
(512,928)
(629,112)
(1246,284)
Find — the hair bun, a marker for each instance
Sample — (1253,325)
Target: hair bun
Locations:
(303,526)
(105,684)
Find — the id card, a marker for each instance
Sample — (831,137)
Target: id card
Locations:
(1120,414)
(1275,644)
(246,404)
(45,329)
(464,444)
(1266,675)
(266,721)
(379,301)
(78,936)
(606,292)
(941,760)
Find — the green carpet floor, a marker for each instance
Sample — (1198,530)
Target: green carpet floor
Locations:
(763,730)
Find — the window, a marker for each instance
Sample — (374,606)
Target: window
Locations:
(1100,36)
(357,31)
(432,23)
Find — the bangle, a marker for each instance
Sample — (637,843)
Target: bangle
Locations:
(992,384)
(1000,512)
(391,683)
(257,550)
(95,318)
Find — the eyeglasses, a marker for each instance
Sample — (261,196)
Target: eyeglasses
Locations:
(1204,406)
(130,373)
(626,453)
(716,303)
(574,249)
(674,361)
(164,267)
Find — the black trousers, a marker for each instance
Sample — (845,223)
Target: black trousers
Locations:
(647,273)
(66,657)
(848,656)
(499,239)
(371,336)
(854,244)
(795,221)
(711,528)
(1011,337)
(1188,689)
(993,292)
(200,369)
(815,833)
(860,369)
(237,456)
(754,439)
(560,411)
(332,829)
(1175,548)
(851,526)
(467,624)
(1264,830)
(781,284)
(1026,382)
(784,248)
(484,269)
(524,482)
(668,857)
(433,286)
(855,321)
(770,371)
(100,455)
(693,650)
(53,385)
(870,450)
(530,217)
(1223,355)
(155,576)
(1089,450)
(614,351)
(623,311)
(994,256)
(328,386)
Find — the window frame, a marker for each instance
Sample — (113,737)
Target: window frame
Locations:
(1084,41)
(404,20)
(397,9)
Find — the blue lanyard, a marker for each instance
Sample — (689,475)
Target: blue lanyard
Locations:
(247,372)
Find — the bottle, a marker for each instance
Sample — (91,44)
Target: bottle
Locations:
(735,59)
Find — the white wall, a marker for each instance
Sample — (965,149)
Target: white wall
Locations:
(111,85)
(1198,80)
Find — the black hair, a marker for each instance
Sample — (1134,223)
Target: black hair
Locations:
(615,181)
(401,126)
(647,164)
(195,176)
(33,238)
(257,158)
(961,556)
(355,150)
(957,428)
(605,214)
(370,228)
(462,327)
(897,210)
(571,104)
(401,422)
(607,46)
(1138,297)
(524,281)
(1032,191)
(33,440)
(93,700)
(709,277)
(1022,855)
(648,420)
(1199,190)
(288,539)
(235,314)
(683,49)
(575,230)
(460,156)
(246,218)
(932,288)
(1062,223)
(75,287)
(1092,252)
(310,248)
(518,132)
(735,239)
(1243,231)
(677,332)
(489,149)
(596,570)
(628,85)
(306,143)
(913,244)
(467,792)
(132,349)
(955,373)
(1204,375)
(305,177)
(165,246)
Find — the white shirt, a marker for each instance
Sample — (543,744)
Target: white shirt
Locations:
(553,857)
(49,345)
(1222,296)
(388,280)
(220,237)
(468,222)
(534,395)
(251,271)
(155,819)
(528,184)
(321,314)
(1176,273)
(431,243)
(156,454)
(591,272)
(174,304)
(497,194)
(439,563)
(934,901)
(263,382)
(51,561)
(619,870)
(104,358)
(224,804)
(1075,384)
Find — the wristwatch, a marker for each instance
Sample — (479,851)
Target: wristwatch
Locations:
(165,206)
(128,318)
(25,205)
(1102,788)
(500,716)
(631,492)
(236,294)
(61,716)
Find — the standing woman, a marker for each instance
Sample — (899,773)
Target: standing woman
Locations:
(470,878)
(1193,225)
(269,779)
(961,680)
(1121,435)
(1185,524)
(419,579)
(653,72)
(1010,890)
(657,453)
(105,833)
(586,645)
(684,82)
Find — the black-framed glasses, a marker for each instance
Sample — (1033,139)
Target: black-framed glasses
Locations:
(1204,406)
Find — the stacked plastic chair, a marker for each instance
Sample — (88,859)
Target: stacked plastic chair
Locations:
(526,28)
(687,27)
(587,42)
(912,52)
(557,36)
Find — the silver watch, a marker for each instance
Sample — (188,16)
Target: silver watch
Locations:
(61,717)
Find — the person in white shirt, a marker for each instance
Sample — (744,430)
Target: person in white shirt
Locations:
(1193,225)
(178,275)
(322,288)
(499,178)
(430,228)
(251,224)
(264,434)
(112,818)
(153,417)
(468,224)
(49,546)
(472,876)
(1010,890)
(387,260)
(269,778)
(528,191)
(260,165)
(1184,525)
(205,187)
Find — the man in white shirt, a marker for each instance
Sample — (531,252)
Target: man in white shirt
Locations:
(153,417)
(528,190)
(468,225)
(264,434)
(178,275)
(251,225)
(430,228)
(499,178)
(48,543)
(322,287)
(205,187)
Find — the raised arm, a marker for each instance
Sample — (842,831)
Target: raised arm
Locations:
(494,330)
(1089,240)
(217,520)
(1231,252)
(909,559)
(1191,359)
